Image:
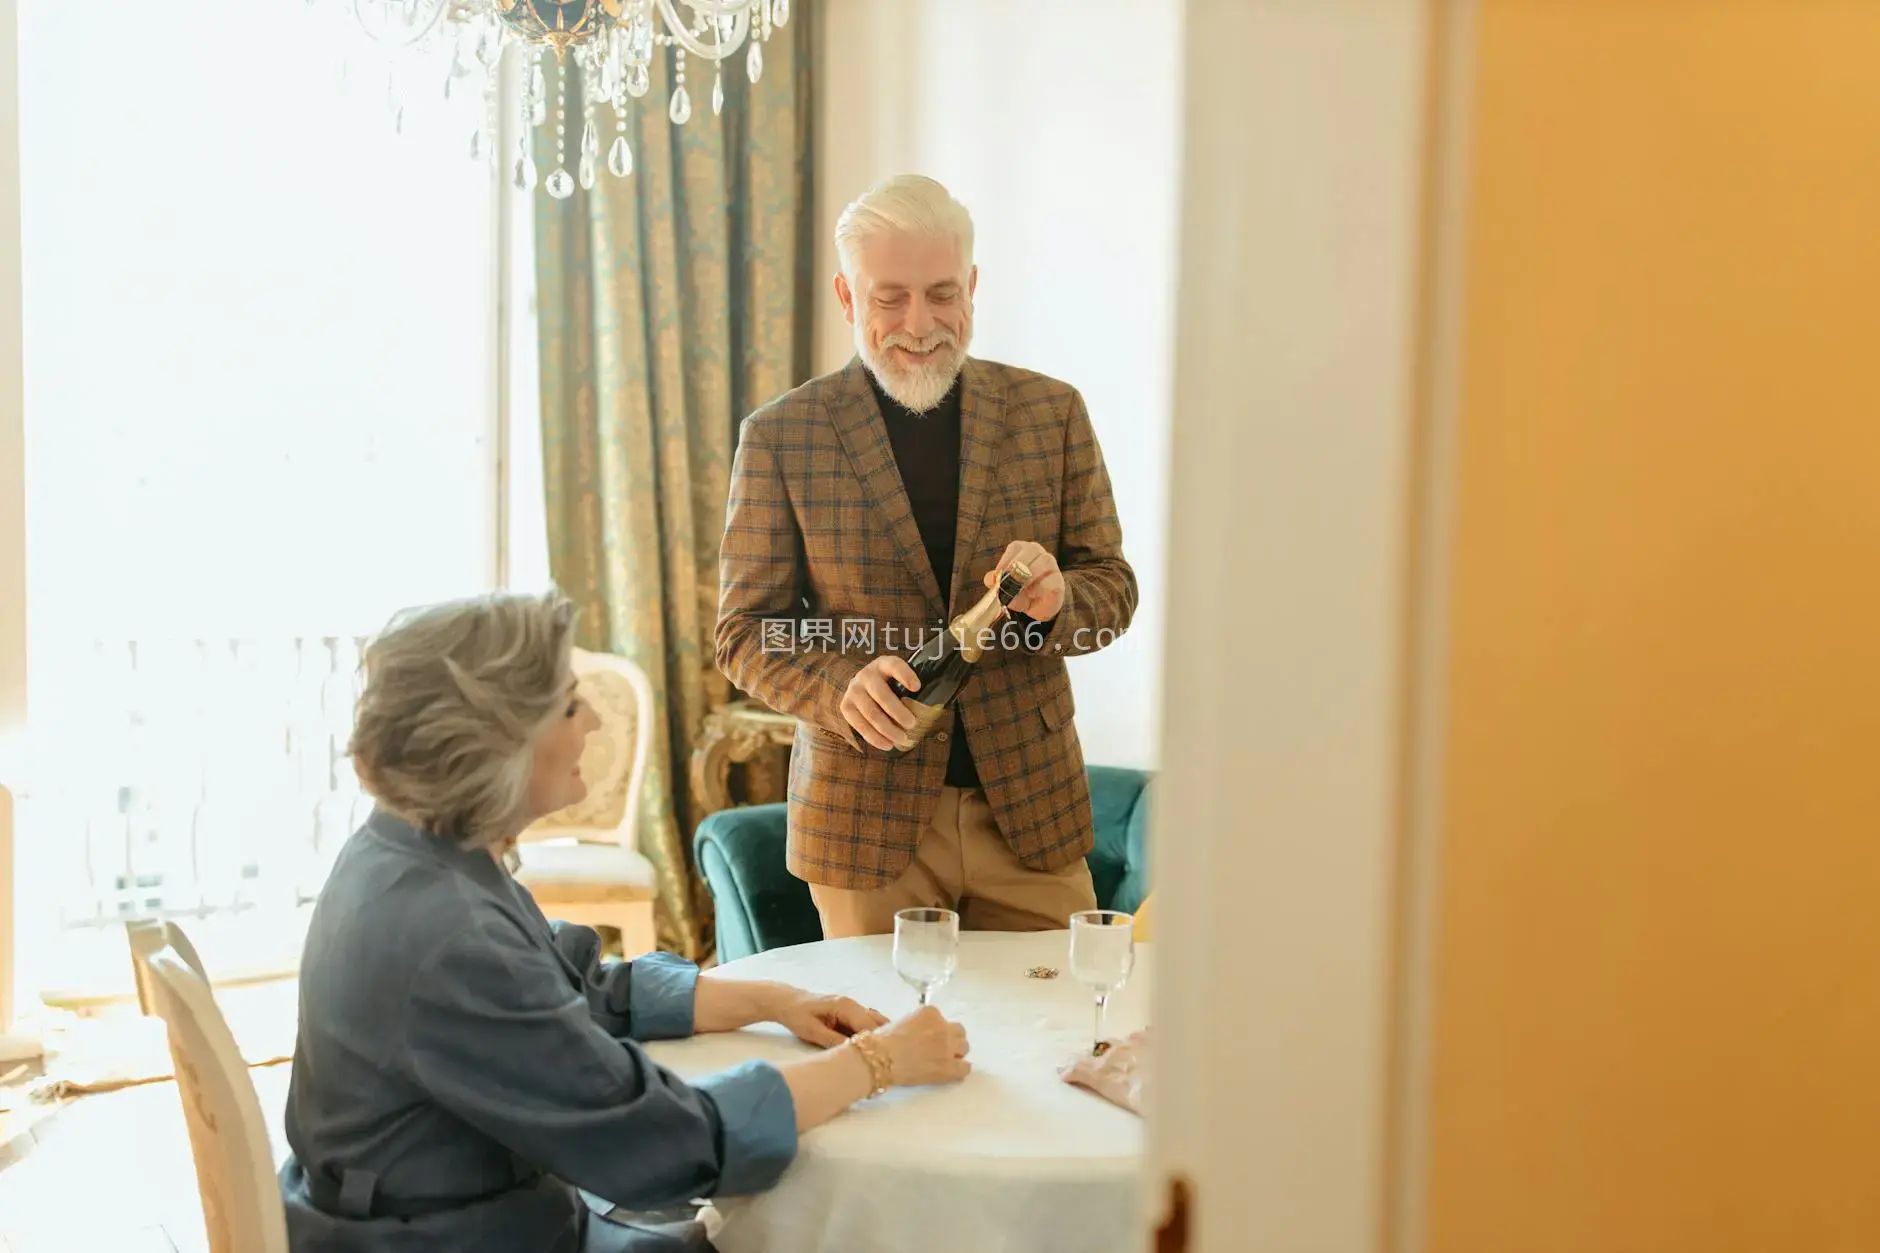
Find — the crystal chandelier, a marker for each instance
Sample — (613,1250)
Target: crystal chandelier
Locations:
(609,43)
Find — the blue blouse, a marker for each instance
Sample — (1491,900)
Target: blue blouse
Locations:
(466,1071)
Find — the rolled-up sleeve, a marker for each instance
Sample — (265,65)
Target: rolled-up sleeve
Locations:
(661,992)
(757,1118)
(648,998)
(496,1033)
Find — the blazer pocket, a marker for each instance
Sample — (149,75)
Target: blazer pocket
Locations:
(826,738)
(1058,709)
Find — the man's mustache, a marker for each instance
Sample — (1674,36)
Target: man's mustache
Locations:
(939,339)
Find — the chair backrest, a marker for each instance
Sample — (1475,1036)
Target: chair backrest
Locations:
(759,905)
(1119,861)
(614,763)
(149,936)
(241,1200)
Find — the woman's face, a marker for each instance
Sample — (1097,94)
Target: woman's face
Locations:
(556,782)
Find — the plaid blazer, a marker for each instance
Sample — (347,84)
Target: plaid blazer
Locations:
(823,569)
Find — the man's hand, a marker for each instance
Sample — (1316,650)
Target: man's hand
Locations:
(1043,596)
(824,1021)
(872,708)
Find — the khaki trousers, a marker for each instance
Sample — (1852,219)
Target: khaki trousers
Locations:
(963,864)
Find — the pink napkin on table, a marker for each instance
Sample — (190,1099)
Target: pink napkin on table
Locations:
(1117,1075)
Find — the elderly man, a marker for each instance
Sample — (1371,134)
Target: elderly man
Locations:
(872,504)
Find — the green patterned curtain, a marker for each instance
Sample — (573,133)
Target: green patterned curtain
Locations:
(672,303)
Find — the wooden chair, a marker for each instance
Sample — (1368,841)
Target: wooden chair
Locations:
(583,864)
(148,937)
(241,1200)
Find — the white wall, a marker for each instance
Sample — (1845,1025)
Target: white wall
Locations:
(1297,385)
(1057,123)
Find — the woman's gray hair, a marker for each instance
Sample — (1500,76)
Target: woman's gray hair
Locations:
(454,694)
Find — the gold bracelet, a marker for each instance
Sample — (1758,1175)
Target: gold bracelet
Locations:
(880,1067)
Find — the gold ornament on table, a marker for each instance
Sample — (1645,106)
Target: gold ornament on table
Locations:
(606,46)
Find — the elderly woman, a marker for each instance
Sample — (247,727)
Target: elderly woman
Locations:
(468,1075)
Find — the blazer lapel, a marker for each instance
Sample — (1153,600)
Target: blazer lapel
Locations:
(982,425)
(864,436)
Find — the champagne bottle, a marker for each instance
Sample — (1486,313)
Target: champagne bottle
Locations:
(946,661)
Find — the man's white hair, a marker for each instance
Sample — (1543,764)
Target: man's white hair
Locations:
(911,203)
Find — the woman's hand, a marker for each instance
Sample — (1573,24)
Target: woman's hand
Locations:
(824,1021)
(922,1048)
(925,1048)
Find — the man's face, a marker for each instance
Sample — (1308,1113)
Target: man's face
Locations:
(911,308)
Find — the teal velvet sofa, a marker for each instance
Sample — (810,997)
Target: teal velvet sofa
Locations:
(760,905)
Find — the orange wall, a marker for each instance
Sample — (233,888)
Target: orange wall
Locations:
(1658,1001)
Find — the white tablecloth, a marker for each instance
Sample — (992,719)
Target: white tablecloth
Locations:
(1013,1160)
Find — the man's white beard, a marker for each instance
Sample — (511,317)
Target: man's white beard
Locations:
(921,386)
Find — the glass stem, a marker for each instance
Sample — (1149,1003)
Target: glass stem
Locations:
(926,994)
(1103,1002)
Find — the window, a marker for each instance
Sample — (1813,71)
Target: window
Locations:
(259,419)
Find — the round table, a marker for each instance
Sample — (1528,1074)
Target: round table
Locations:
(1013,1158)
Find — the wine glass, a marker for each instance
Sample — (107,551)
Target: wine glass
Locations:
(1103,953)
(926,948)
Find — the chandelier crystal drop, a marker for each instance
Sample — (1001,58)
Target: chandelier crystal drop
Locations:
(606,48)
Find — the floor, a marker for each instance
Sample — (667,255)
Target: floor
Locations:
(113,1173)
